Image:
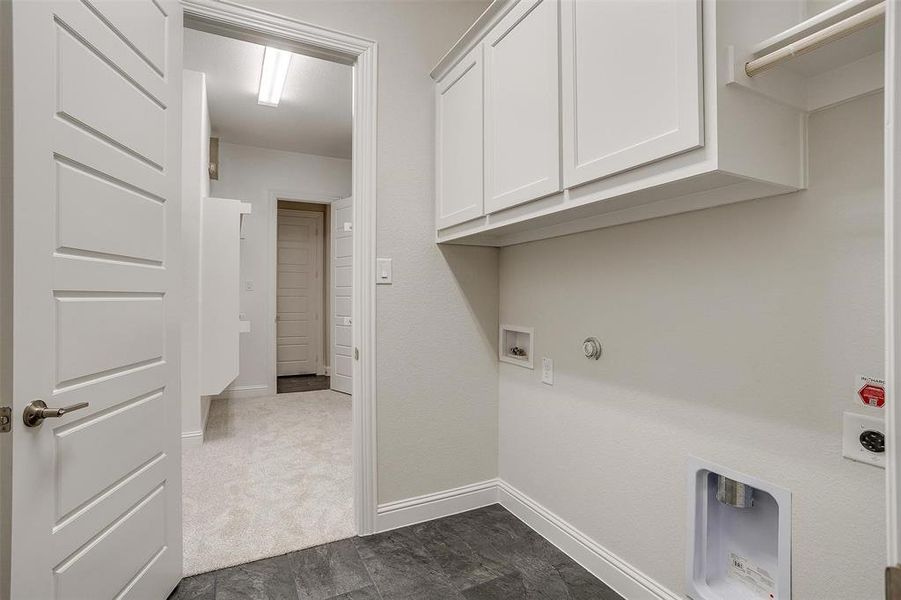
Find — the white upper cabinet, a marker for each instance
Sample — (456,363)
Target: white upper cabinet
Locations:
(459,144)
(522,120)
(220,288)
(602,112)
(631,84)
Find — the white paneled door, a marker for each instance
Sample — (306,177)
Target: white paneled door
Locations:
(95,498)
(298,301)
(341,219)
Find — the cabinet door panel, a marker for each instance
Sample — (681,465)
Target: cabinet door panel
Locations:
(459,133)
(631,84)
(522,131)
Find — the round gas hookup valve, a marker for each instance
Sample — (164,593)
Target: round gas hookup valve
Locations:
(592,348)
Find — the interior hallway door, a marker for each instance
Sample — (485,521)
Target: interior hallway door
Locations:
(299,293)
(96,477)
(342,288)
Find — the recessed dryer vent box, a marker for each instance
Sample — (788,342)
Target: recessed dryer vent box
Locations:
(739,537)
(515,345)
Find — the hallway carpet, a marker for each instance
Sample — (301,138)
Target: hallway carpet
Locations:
(273,476)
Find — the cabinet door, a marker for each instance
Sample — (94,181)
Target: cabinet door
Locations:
(522,118)
(459,135)
(220,289)
(631,84)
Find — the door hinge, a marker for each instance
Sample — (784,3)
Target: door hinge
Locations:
(893,583)
(6,415)
(356,354)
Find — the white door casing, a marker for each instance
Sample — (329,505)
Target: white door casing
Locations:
(363,54)
(522,117)
(626,104)
(341,219)
(95,499)
(892,182)
(299,292)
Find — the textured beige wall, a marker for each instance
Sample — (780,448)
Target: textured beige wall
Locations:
(437,372)
(733,334)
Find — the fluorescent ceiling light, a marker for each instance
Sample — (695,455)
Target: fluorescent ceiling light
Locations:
(272,79)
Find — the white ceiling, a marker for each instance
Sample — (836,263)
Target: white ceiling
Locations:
(313,117)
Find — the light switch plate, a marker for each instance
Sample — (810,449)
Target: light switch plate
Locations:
(383,275)
(854,425)
(547,370)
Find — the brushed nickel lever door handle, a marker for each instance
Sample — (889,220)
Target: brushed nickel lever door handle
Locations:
(37,411)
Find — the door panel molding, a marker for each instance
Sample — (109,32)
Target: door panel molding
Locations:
(341,248)
(95,305)
(290,277)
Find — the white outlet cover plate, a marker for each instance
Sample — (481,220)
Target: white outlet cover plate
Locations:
(547,371)
(383,271)
(853,424)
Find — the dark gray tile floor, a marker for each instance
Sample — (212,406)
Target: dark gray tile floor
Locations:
(302,383)
(482,554)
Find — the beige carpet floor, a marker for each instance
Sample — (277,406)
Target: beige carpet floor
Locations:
(273,475)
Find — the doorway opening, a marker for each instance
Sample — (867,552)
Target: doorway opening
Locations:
(301,338)
(273,471)
(313,261)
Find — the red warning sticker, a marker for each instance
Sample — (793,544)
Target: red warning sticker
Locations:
(871,391)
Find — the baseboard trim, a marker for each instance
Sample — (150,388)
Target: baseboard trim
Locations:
(434,506)
(628,581)
(244,391)
(191,439)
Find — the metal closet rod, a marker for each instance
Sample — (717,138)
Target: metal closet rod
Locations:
(855,22)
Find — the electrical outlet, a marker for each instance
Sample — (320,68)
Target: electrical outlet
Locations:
(248,286)
(547,370)
(863,438)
